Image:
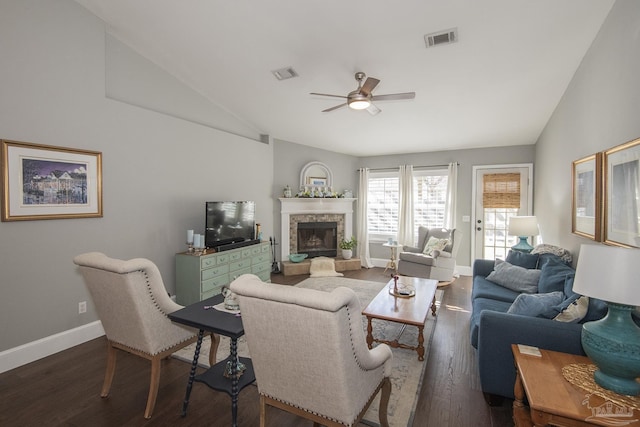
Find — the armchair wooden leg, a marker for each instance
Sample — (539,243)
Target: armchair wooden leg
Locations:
(153,386)
(110,371)
(213,351)
(384,402)
(263,412)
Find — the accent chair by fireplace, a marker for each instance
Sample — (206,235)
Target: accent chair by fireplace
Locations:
(439,263)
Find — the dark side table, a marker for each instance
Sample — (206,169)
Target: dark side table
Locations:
(218,322)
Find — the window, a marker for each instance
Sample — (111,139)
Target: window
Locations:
(429,199)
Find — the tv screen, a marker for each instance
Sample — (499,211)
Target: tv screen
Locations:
(229,222)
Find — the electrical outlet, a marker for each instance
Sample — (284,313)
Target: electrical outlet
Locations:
(82,307)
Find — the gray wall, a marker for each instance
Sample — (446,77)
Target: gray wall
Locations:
(157,170)
(466,160)
(599,110)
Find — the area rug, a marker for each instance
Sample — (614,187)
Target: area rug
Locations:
(407,372)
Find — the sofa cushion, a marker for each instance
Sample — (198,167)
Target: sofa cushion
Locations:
(553,276)
(482,288)
(535,305)
(597,310)
(515,278)
(522,259)
(480,304)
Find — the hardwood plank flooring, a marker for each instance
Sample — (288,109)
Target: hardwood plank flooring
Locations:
(64,389)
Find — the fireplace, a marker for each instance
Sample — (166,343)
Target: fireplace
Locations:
(296,211)
(318,238)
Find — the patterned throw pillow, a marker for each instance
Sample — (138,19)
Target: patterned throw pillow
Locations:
(575,312)
(434,244)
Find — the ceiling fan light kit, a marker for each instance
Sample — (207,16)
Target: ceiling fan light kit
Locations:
(361,98)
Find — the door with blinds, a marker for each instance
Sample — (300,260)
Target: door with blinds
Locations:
(500,193)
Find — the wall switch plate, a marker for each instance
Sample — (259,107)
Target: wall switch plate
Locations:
(466,218)
(82,307)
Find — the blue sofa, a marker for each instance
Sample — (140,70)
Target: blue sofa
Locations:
(493,330)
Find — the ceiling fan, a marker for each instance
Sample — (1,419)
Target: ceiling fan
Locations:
(361,98)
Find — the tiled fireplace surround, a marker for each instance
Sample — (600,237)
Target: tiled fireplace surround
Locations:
(298,210)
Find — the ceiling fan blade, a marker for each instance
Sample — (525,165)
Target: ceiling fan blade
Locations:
(394,96)
(326,94)
(368,86)
(334,108)
(373,110)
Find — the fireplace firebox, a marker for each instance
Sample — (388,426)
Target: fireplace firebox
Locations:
(318,239)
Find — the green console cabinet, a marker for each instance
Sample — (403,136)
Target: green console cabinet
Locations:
(203,276)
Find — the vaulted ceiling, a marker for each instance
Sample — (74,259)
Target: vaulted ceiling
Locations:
(497,85)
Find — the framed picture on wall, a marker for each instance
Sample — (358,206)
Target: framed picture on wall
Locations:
(587,197)
(621,190)
(48,182)
(317,181)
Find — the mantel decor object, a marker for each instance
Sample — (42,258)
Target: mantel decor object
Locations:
(523,227)
(613,343)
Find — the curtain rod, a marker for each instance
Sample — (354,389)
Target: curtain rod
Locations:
(415,167)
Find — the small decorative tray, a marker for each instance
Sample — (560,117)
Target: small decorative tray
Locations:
(402,292)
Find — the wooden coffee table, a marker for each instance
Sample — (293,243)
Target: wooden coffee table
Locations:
(406,311)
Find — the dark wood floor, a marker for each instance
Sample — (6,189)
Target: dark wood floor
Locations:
(63,389)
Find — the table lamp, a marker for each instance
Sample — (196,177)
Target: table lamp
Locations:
(613,343)
(523,227)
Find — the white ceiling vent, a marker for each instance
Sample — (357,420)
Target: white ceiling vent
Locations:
(441,37)
(285,73)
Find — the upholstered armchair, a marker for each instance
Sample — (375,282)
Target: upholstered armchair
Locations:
(439,264)
(309,352)
(132,304)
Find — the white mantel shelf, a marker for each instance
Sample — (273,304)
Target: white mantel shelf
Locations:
(313,205)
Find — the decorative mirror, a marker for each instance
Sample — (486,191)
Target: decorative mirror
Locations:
(316,174)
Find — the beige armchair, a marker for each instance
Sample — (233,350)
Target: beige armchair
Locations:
(309,352)
(132,304)
(440,265)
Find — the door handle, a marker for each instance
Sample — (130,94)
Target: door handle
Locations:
(479,228)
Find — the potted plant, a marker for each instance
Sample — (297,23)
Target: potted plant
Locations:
(347,247)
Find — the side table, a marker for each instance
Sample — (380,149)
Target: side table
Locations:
(555,401)
(230,325)
(391,264)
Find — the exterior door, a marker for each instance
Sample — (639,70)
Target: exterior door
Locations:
(500,192)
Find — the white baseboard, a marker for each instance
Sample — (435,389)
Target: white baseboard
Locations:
(30,352)
(461,270)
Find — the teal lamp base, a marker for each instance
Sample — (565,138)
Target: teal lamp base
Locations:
(613,344)
(522,245)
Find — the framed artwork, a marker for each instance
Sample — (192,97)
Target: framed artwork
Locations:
(47,182)
(317,181)
(621,189)
(587,197)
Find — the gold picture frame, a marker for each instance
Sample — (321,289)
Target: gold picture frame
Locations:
(586,203)
(49,182)
(621,225)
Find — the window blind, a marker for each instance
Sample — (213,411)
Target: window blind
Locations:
(501,190)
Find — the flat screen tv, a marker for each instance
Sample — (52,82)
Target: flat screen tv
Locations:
(229,222)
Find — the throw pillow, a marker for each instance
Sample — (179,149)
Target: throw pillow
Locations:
(575,311)
(434,244)
(553,275)
(515,278)
(535,305)
(522,259)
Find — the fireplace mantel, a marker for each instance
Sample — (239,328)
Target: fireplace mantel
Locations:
(299,205)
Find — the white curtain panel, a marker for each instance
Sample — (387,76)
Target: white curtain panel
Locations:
(450,205)
(362,233)
(405,214)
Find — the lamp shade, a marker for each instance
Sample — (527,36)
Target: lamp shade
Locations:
(608,273)
(523,226)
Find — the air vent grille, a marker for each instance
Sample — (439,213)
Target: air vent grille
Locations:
(285,73)
(441,37)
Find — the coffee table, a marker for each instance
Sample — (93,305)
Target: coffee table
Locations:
(406,311)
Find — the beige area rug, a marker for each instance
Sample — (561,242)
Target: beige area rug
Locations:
(407,372)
